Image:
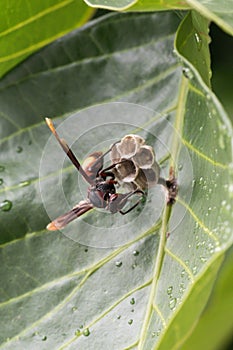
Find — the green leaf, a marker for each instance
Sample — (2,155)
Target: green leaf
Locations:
(120,281)
(193,43)
(137,5)
(26,27)
(213,10)
(220,304)
(216,11)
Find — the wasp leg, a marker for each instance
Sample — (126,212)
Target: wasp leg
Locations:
(127,211)
(68,151)
(135,205)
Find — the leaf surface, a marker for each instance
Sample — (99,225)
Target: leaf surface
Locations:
(110,280)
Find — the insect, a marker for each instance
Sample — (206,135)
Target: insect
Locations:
(102,185)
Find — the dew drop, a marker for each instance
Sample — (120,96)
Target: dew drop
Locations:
(182,288)
(135,252)
(203,259)
(172,303)
(130,321)
(77,332)
(118,317)
(198,41)
(2,168)
(74,308)
(187,73)
(1,181)
(132,301)
(86,332)
(44,338)
(169,290)
(180,167)
(6,205)
(19,149)
(118,263)
(194,269)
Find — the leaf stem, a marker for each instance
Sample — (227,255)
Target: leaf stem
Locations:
(178,128)
(156,273)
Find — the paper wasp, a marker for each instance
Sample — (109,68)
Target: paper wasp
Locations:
(102,190)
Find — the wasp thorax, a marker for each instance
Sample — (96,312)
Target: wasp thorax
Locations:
(137,162)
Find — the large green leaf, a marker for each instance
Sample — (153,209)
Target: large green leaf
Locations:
(26,27)
(218,310)
(138,5)
(217,11)
(121,281)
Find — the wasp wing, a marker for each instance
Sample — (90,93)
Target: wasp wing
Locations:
(71,215)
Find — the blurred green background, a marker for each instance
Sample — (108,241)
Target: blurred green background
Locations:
(221,49)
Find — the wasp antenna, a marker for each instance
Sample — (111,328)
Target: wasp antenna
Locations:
(68,151)
(50,125)
(52,226)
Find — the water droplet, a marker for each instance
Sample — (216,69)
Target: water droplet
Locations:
(130,321)
(134,266)
(201,128)
(2,168)
(132,301)
(194,269)
(77,332)
(6,205)
(135,252)
(44,338)
(187,73)
(182,288)
(118,263)
(180,167)
(1,181)
(169,290)
(198,41)
(24,183)
(74,308)
(118,317)
(86,332)
(203,259)
(19,149)
(172,303)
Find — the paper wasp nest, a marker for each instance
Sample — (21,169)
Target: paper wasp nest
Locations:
(139,167)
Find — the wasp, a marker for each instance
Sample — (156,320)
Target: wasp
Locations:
(102,185)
